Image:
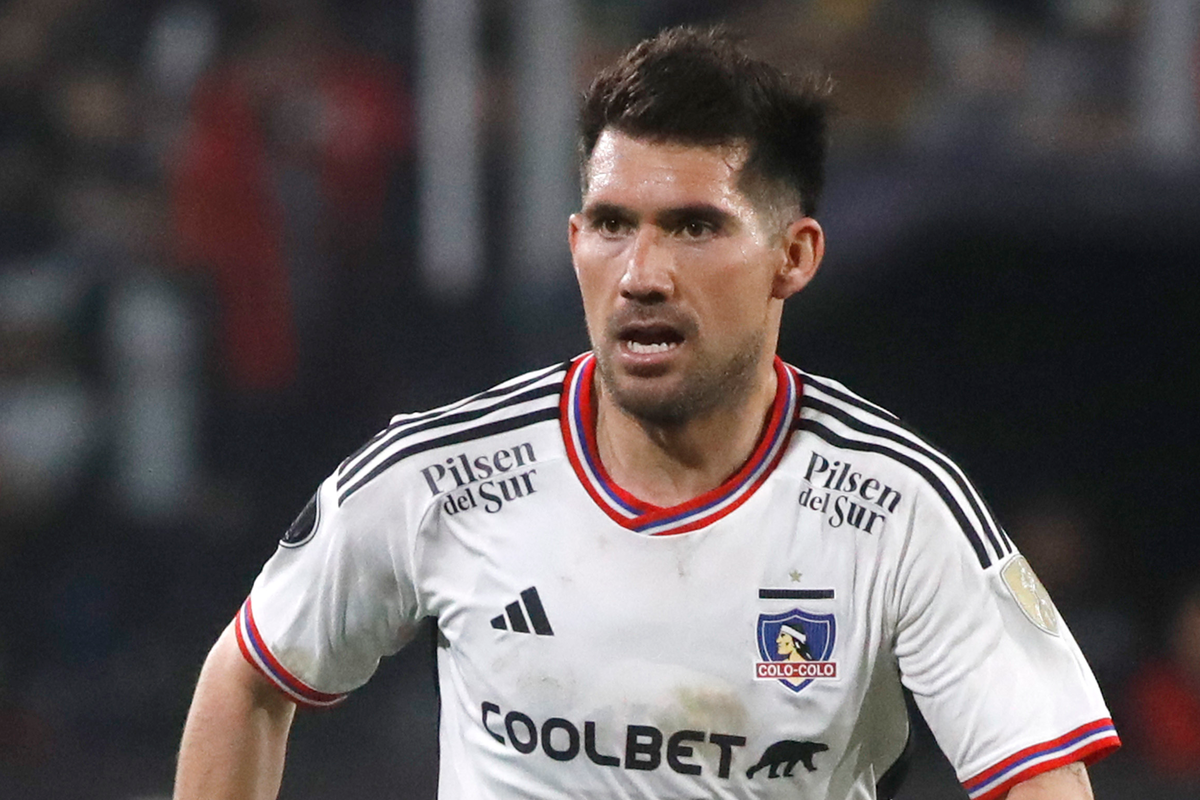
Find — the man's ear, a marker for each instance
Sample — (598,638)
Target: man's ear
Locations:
(574,224)
(803,248)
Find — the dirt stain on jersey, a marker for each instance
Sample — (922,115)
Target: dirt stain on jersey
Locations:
(707,708)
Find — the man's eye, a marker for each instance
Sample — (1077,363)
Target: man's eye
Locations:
(611,226)
(696,229)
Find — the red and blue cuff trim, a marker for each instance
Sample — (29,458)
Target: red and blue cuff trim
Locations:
(1087,743)
(578,419)
(255,650)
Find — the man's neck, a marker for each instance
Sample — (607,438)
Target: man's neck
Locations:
(669,465)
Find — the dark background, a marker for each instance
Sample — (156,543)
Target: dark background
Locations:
(1013,239)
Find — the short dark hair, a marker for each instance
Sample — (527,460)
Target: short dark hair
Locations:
(698,87)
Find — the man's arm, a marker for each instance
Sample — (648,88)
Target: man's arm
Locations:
(1065,783)
(236,732)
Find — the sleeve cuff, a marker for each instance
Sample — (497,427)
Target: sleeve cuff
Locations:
(255,650)
(1087,743)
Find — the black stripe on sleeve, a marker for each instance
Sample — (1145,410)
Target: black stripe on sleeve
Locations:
(988,524)
(443,421)
(917,441)
(477,432)
(846,397)
(819,430)
(408,421)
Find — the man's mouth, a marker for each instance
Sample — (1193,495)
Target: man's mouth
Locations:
(654,347)
(641,339)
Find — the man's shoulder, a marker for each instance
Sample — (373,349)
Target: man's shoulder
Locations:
(841,417)
(842,420)
(534,385)
(503,410)
(846,432)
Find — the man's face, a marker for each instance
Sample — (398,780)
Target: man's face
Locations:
(784,644)
(680,277)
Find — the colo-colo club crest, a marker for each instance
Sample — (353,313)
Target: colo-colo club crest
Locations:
(796,647)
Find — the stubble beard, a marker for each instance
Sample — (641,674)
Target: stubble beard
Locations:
(710,384)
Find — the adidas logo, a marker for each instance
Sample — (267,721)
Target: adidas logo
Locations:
(514,617)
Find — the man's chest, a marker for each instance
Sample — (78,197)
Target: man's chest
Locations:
(573,639)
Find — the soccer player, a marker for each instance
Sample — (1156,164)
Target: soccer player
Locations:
(568,528)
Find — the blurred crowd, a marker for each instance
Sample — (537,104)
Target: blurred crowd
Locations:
(209,294)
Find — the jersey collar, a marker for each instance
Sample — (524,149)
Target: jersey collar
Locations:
(578,420)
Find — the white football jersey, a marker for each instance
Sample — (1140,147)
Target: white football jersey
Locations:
(751,643)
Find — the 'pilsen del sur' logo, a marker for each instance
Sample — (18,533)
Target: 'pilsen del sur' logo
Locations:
(796,647)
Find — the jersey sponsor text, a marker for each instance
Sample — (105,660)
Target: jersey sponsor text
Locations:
(647,748)
(490,495)
(844,489)
(462,469)
(482,481)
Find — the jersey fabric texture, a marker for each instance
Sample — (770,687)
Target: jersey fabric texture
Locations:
(753,642)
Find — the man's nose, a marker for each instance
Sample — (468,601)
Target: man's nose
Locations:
(649,271)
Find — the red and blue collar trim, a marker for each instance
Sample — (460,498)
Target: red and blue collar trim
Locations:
(578,420)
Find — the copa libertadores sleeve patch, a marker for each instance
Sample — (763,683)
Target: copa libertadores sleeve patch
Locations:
(1030,594)
(305,525)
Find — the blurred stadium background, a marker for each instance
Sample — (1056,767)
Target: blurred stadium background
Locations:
(236,236)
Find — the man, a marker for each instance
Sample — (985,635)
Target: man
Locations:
(567,528)
(792,644)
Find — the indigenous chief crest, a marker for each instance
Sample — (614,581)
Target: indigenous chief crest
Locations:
(1030,595)
(796,647)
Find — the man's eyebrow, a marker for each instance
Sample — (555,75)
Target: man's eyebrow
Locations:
(702,212)
(666,218)
(604,210)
